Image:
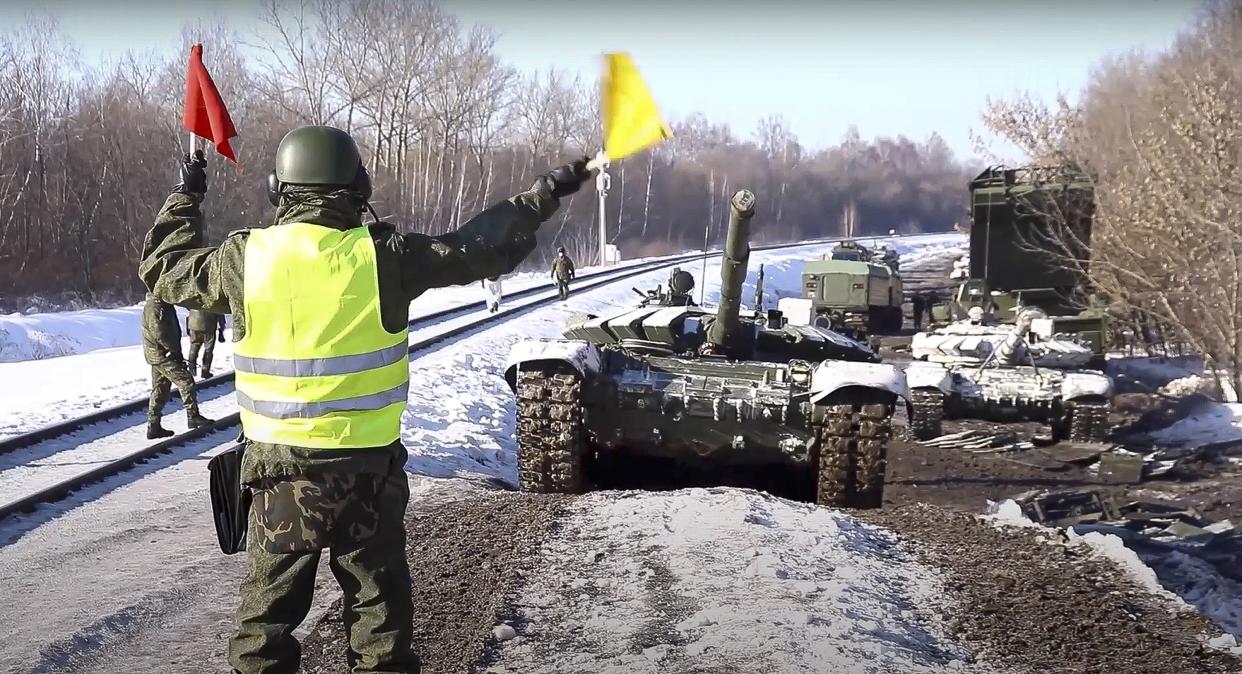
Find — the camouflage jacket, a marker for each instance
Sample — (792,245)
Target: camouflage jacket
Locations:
(562,267)
(161,333)
(204,321)
(178,269)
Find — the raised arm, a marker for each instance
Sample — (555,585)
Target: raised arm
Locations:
(175,265)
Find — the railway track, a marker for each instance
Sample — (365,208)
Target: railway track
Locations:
(61,434)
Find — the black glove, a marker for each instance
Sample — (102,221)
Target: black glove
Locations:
(193,175)
(563,181)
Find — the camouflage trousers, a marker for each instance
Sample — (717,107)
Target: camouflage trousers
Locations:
(562,288)
(205,341)
(163,376)
(360,520)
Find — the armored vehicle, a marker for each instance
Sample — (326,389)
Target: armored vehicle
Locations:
(980,369)
(705,388)
(855,290)
(1025,223)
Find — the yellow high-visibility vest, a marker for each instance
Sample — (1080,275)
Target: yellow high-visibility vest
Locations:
(316,368)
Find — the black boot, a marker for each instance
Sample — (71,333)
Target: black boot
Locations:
(204,373)
(195,420)
(156,431)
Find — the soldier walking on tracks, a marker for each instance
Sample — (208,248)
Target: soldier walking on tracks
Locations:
(562,271)
(321,404)
(204,328)
(161,346)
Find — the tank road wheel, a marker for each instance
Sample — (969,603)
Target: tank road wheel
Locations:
(926,413)
(853,452)
(1088,421)
(551,446)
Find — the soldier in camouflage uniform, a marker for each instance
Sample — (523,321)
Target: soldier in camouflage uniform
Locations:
(204,328)
(562,271)
(161,346)
(349,501)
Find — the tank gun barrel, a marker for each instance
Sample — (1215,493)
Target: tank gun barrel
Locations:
(733,269)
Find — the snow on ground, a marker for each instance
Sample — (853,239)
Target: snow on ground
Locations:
(1208,422)
(726,580)
(50,335)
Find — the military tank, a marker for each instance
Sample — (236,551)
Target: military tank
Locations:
(701,387)
(977,368)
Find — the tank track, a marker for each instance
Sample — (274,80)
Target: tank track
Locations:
(853,454)
(1088,422)
(550,438)
(926,413)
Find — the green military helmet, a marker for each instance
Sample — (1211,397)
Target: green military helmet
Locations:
(318,156)
(680,282)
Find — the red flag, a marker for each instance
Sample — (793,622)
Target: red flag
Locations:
(205,115)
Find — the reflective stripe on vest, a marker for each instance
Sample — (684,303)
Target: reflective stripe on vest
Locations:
(316,368)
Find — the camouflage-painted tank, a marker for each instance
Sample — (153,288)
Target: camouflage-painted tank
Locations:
(697,387)
(978,369)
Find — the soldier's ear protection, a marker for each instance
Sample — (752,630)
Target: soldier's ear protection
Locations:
(361,185)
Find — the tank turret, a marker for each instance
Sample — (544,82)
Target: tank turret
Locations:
(724,331)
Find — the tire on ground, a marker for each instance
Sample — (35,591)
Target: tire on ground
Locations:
(551,443)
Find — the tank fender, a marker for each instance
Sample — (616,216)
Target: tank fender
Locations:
(583,356)
(832,376)
(1086,385)
(921,374)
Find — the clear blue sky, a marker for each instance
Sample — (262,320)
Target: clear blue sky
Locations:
(887,66)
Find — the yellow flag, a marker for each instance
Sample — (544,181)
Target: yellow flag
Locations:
(631,120)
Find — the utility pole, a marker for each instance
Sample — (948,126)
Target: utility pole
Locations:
(603,181)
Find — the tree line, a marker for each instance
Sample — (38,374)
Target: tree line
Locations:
(88,153)
(1160,135)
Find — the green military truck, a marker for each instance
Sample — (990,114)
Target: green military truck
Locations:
(854,290)
(1015,215)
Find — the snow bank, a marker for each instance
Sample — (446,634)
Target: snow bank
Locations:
(726,580)
(42,336)
(1208,422)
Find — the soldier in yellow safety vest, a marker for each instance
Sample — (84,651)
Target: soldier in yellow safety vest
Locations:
(320,311)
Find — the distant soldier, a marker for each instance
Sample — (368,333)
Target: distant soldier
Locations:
(204,328)
(161,345)
(918,305)
(562,271)
(494,293)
